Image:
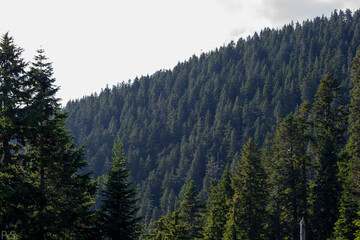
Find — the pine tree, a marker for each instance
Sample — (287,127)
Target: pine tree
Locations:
(190,211)
(118,210)
(13,87)
(218,205)
(348,224)
(169,227)
(13,96)
(329,121)
(247,215)
(62,207)
(289,189)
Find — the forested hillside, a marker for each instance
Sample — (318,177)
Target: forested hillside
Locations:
(188,123)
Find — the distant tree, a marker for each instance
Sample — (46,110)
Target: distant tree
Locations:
(118,210)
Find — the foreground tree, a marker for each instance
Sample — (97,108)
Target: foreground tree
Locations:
(43,195)
(184,223)
(13,89)
(13,95)
(329,126)
(62,195)
(218,205)
(118,210)
(247,215)
(289,189)
(348,224)
(169,227)
(353,146)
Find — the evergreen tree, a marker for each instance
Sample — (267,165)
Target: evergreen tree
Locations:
(247,215)
(289,189)
(348,225)
(64,196)
(190,211)
(118,211)
(169,227)
(329,121)
(13,87)
(13,96)
(218,205)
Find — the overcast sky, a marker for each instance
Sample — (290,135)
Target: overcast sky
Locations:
(93,43)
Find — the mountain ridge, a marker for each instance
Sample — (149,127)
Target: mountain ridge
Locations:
(189,122)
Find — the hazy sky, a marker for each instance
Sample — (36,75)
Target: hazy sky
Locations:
(93,43)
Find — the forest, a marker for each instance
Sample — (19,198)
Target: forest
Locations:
(242,142)
(187,124)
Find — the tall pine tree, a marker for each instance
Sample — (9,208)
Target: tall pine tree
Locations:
(289,189)
(13,96)
(329,125)
(63,196)
(247,215)
(118,209)
(218,205)
(348,224)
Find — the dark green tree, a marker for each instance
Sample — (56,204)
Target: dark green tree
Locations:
(348,224)
(169,227)
(190,211)
(289,187)
(247,216)
(63,195)
(329,125)
(13,97)
(13,89)
(119,205)
(218,205)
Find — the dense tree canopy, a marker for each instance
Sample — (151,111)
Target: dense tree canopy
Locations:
(189,122)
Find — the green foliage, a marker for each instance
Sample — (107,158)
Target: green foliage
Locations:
(183,223)
(218,205)
(190,211)
(247,216)
(208,106)
(43,194)
(348,224)
(118,210)
(329,127)
(288,177)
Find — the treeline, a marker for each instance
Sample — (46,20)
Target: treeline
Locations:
(188,123)
(44,191)
(305,171)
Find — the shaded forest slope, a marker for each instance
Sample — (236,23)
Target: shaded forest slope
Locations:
(187,123)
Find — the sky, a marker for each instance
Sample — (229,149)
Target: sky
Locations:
(94,43)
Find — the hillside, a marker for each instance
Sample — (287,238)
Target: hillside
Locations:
(189,122)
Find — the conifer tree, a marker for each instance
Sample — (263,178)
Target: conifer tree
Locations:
(63,195)
(169,227)
(190,211)
(289,190)
(118,210)
(218,205)
(348,224)
(13,95)
(247,215)
(13,87)
(329,122)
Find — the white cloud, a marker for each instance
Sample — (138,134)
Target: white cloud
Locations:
(93,42)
